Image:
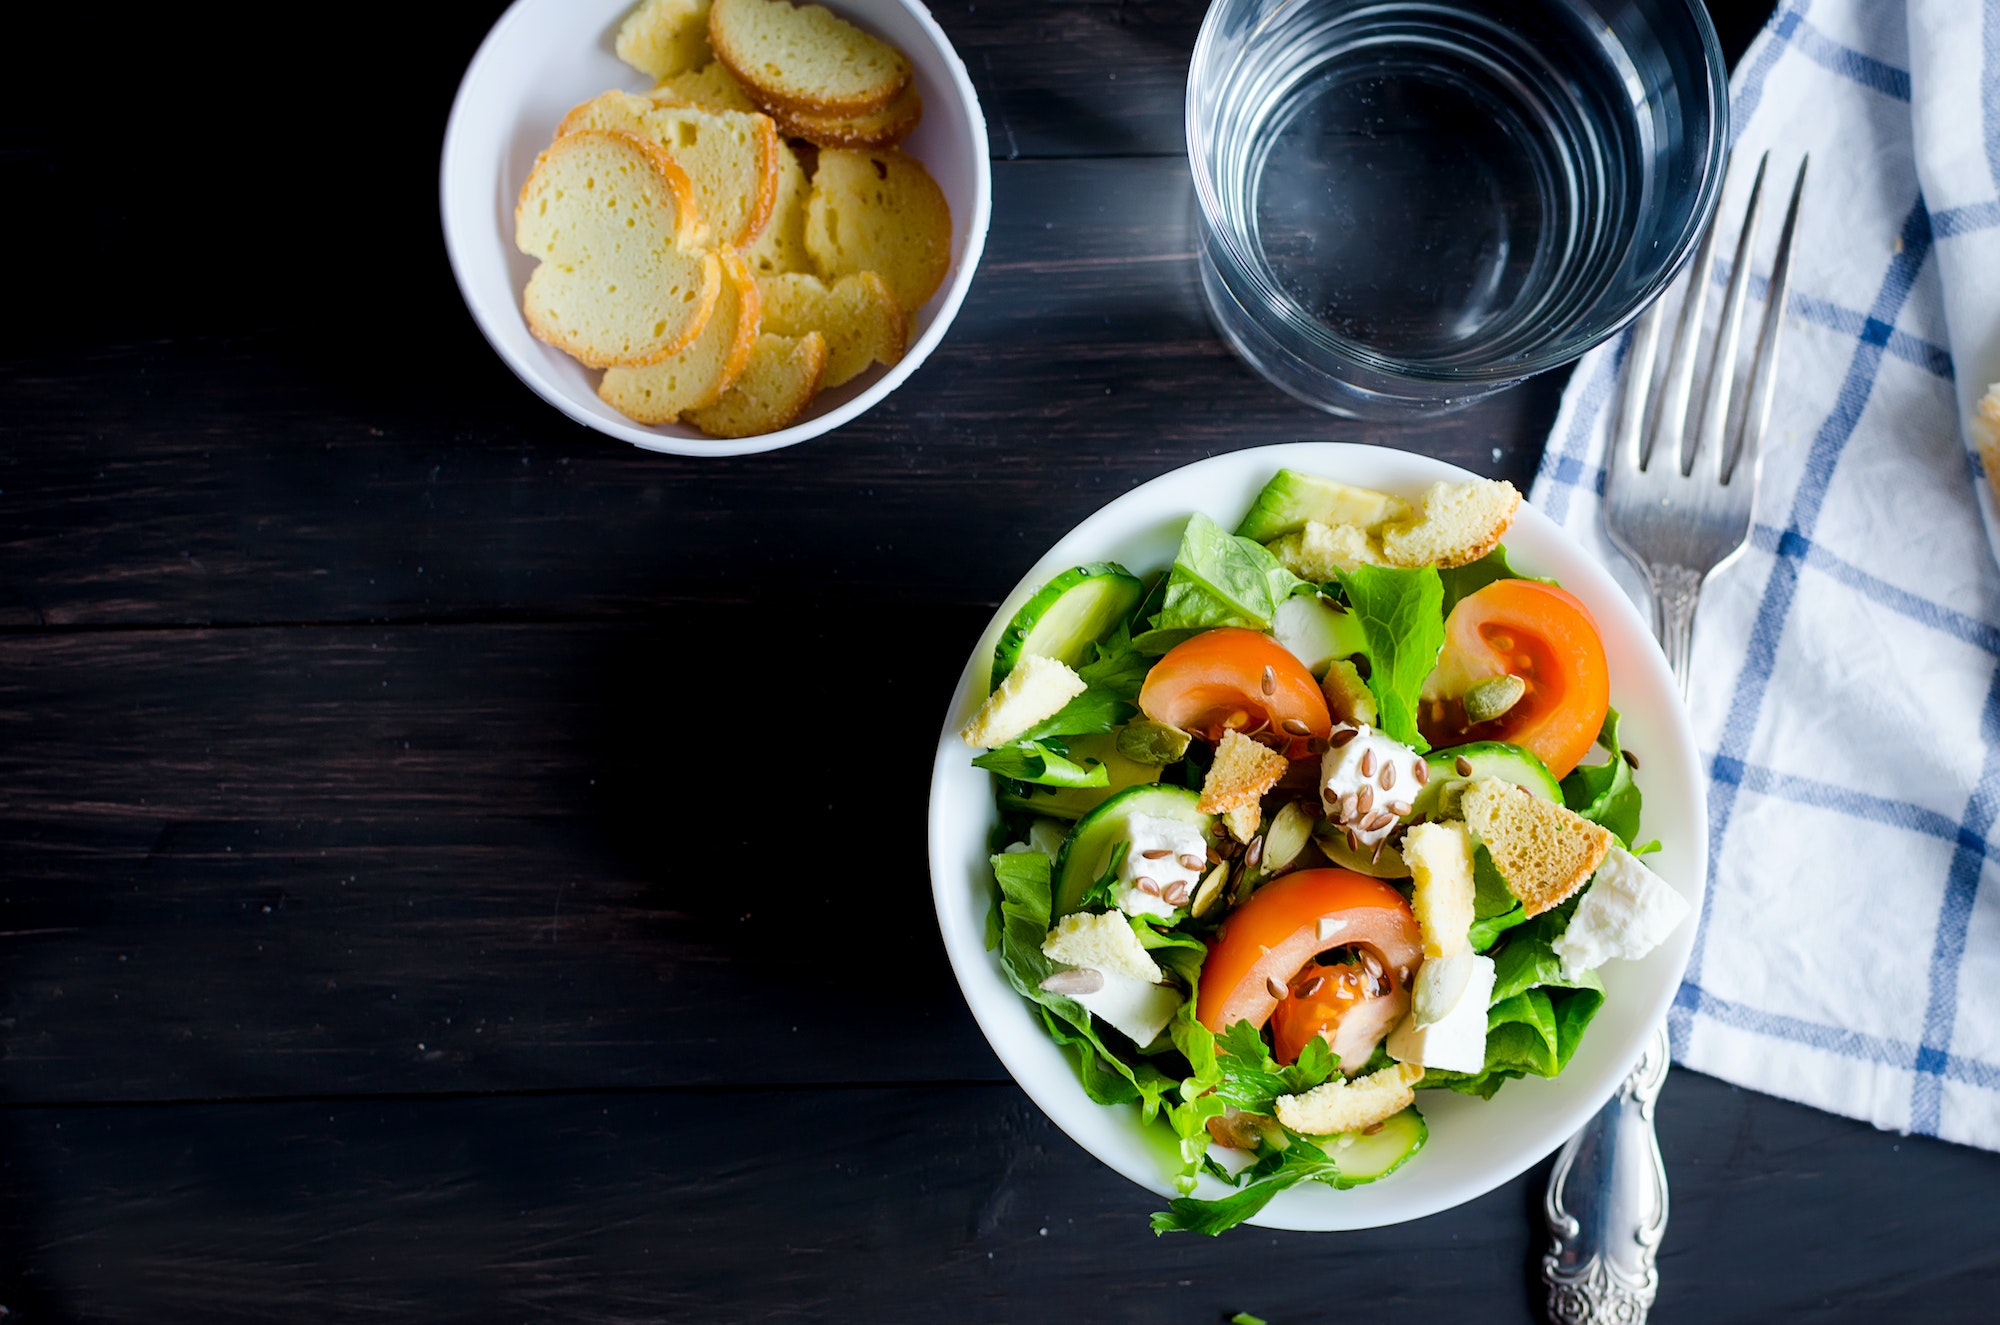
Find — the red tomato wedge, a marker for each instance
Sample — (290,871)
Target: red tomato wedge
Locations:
(1216,681)
(1277,934)
(1541,634)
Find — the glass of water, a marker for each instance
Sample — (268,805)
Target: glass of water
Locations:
(1410,204)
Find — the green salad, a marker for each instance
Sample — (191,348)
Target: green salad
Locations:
(1331,811)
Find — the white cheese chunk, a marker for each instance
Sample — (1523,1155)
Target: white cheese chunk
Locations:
(1456,1040)
(1626,912)
(1033,692)
(1103,943)
(1353,798)
(1139,1010)
(1153,851)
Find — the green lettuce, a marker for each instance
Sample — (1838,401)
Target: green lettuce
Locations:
(1089,714)
(1217,580)
(1605,793)
(1495,909)
(1298,1162)
(1048,765)
(1463,581)
(1537,1015)
(1402,618)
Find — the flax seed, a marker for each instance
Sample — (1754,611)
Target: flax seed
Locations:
(1147,884)
(1630,758)
(1313,986)
(1270,682)
(1423,772)
(1190,861)
(1295,727)
(1464,766)
(1157,853)
(1272,987)
(1342,737)
(1364,799)
(1388,775)
(1368,763)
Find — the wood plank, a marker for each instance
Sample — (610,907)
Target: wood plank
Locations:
(288,477)
(910,1204)
(313,861)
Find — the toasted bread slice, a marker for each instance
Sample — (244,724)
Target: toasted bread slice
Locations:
(782,245)
(1321,552)
(1242,772)
(805,57)
(1458,523)
(699,374)
(776,386)
(665,37)
(861,320)
(1351,1106)
(1544,851)
(707,88)
(880,212)
(876,130)
(730,157)
(1033,691)
(606,213)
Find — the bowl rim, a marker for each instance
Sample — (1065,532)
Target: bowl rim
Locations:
(1676,775)
(461,230)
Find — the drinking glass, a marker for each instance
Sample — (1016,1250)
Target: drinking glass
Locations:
(1406,205)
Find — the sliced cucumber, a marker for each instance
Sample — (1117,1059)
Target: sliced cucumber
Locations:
(1075,802)
(1068,615)
(1316,632)
(1290,499)
(1363,1157)
(1088,848)
(1486,759)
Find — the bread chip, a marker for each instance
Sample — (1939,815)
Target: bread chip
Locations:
(1351,1106)
(1321,552)
(707,88)
(775,388)
(1441,896)
(1242,772)
(1458,523)
(782,246)
(805,57)
(699,374)
(606,213)
(880,212)
(879,129)
(665,37)
(730,157)
(1544,851)
(860,319)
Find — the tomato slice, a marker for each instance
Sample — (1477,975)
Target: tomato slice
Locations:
(1541,634)
(1276,936)
(1215,681)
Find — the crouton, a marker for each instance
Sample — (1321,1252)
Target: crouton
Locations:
(1459,523)
(665,37)
(1544,851)
(1103,943)
(1242,772)
(1320,552)
(1033,692)
(1440,860)
(1351,1106)
(1243,822)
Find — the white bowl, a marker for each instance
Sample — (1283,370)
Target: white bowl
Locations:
(545,56)
(1475,1145)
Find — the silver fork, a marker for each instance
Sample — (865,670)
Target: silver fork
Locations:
(1679,505)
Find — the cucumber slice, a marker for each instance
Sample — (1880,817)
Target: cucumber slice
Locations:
(1488,759)
(1088,848)
(1075,802)
(1290,499)
(1362,1157)
(1068,615)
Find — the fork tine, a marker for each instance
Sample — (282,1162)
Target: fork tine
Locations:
(1764,366)
(1670,413)
(1715,397)
(1639,356)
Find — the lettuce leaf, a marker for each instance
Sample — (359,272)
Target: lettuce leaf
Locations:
(1402,618)
(1217,580)
(1495,910)
(1462,581)
(1297,1163)
(1605,793)
(1032,761)
(1089,714)
(1537,1015)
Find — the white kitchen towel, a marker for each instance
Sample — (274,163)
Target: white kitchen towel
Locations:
(1846,676)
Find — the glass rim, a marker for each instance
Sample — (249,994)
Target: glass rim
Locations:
(1709,196)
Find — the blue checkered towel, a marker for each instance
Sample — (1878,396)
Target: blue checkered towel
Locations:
(1845,689)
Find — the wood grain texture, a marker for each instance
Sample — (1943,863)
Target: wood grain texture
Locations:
(916,1204)
(274,478)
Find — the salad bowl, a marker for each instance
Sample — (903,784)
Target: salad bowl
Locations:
(1474,1145)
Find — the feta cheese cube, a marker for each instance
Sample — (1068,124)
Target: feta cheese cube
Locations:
(1456,1041)
(1626,911)
(1139,1010)
(1353,797)
(1153,851)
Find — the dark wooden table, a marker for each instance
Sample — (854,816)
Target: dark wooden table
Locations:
(399,808)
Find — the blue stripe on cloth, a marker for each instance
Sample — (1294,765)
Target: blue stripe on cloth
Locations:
(1857,1045)
(1961,890)
(1739,729)
(1946,620)
(1907,816)
(1783,24)
(1566,457)
(1932,358)
(1849,63)
(1969,220)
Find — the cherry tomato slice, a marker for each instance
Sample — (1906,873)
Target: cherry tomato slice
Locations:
(1541,634)
(1215,681)
(1277,934)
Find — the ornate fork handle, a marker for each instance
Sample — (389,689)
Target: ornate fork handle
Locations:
(1676,593)
(1607,1206)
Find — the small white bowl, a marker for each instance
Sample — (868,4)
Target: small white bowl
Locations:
(545,56)
(1475,1145)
